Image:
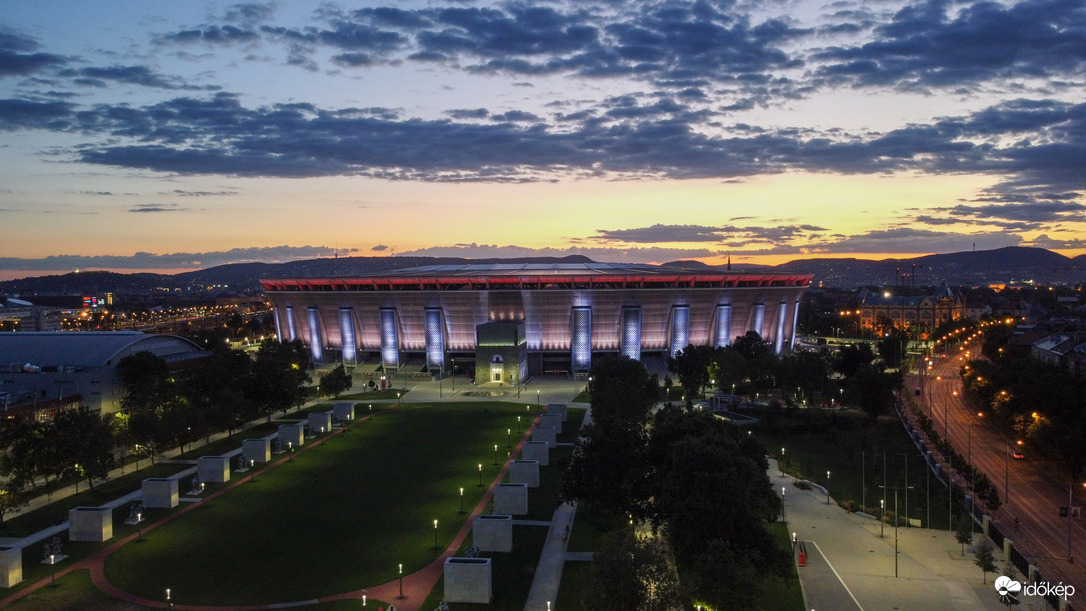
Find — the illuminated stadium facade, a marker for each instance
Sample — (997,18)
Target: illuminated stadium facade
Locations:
(560,316)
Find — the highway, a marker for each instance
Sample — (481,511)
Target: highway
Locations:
(1035,493)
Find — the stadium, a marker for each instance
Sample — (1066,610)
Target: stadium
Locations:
(506,322)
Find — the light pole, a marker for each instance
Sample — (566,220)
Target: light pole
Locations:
(401,581)
(782,504)
(495,455)
(461,499)
(53,567)
(518,425)
(435,535)
(537,396)
(169,601)
(252,477)
(882,522)
(827,487)
(480,474)
(780,463)
(508,438)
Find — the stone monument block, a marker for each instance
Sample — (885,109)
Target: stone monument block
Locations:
(524,472)
(257,450)
(558,408)
(538,451)
(11,566)
(213,469)
(320,423)
(90,524)
(554,420)
(545,433)
(493,533)
(511,499)
(343,411)
(291,435)
(159,493)
(468,580)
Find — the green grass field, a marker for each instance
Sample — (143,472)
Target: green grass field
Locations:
(340,517)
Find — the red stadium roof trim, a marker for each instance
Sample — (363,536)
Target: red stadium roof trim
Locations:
(537,282)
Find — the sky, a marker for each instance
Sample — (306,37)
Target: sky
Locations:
(167,136)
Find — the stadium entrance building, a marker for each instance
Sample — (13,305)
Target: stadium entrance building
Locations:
(509,321)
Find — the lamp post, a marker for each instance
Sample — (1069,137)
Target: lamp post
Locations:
(401,581)
(252,477)
(435,535)
(518,425)
(480,474)
(461,499)
(782,503)
(780,463)
(169,601)
(882,522)
(537,396)
(495,455)
(508,438)
(827,487)
(53,567)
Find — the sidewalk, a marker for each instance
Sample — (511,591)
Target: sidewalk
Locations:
(932,572)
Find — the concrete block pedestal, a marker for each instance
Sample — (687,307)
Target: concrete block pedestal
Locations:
(554,420)
(538,451)
(524,472)
(90,524)
(468,580)
(11,566)
(256,450)
(511,499)
(493,533)
(320,423)
(343,411)
(159,493)
(291,435)
(214,469)
(559,408)
(545,433)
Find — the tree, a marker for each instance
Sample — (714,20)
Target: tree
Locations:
(985,559)
(622,389)
(964,532)
(13,497)
(632,572)
(608,471)
(279,375)
(691,364)
(850,358)
(85,442)
(215,393)
(145,378)
(892,347)
(336,382)
(873,389)
(728,368)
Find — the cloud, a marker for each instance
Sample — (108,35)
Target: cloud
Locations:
(144,260)
(904,240)
(157,208)
(129,75)
(379,248)
(733,236)
(617,255)
(18,56)
(211,35)
(1043,241)
(30,114)
(924,47)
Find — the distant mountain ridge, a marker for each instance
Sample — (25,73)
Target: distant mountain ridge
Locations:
(1002,265)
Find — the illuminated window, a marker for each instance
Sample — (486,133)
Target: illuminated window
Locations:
(292,331)
(759,318)
(435,339)
(631,333)
(346,333)
(582,339)
(723,325)
(315,344)
(390,338)
(778,341)
(680,328)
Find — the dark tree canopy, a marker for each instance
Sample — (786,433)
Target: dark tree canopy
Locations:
(691,365)
(335,382)
(622,389)
(632,572)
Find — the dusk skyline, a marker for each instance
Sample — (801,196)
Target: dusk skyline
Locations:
(164,137)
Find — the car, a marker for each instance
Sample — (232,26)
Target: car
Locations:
(1017,455)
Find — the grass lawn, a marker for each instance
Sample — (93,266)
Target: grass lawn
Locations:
(340,517)
(782,593)
(816,441)
(576,581)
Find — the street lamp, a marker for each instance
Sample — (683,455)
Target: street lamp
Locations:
(827,487)
(518,425)
(461,499)
(401,581)
(169,602)
(882,526)
(252,478)
(508,437)
(495,455)
(537,396)
(435,535)
(780,463)
(480,474)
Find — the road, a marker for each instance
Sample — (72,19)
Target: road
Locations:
(1034,493)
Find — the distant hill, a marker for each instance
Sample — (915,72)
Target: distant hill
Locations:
(1003,265)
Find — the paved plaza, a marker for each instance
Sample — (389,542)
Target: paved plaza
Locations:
(850,566)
